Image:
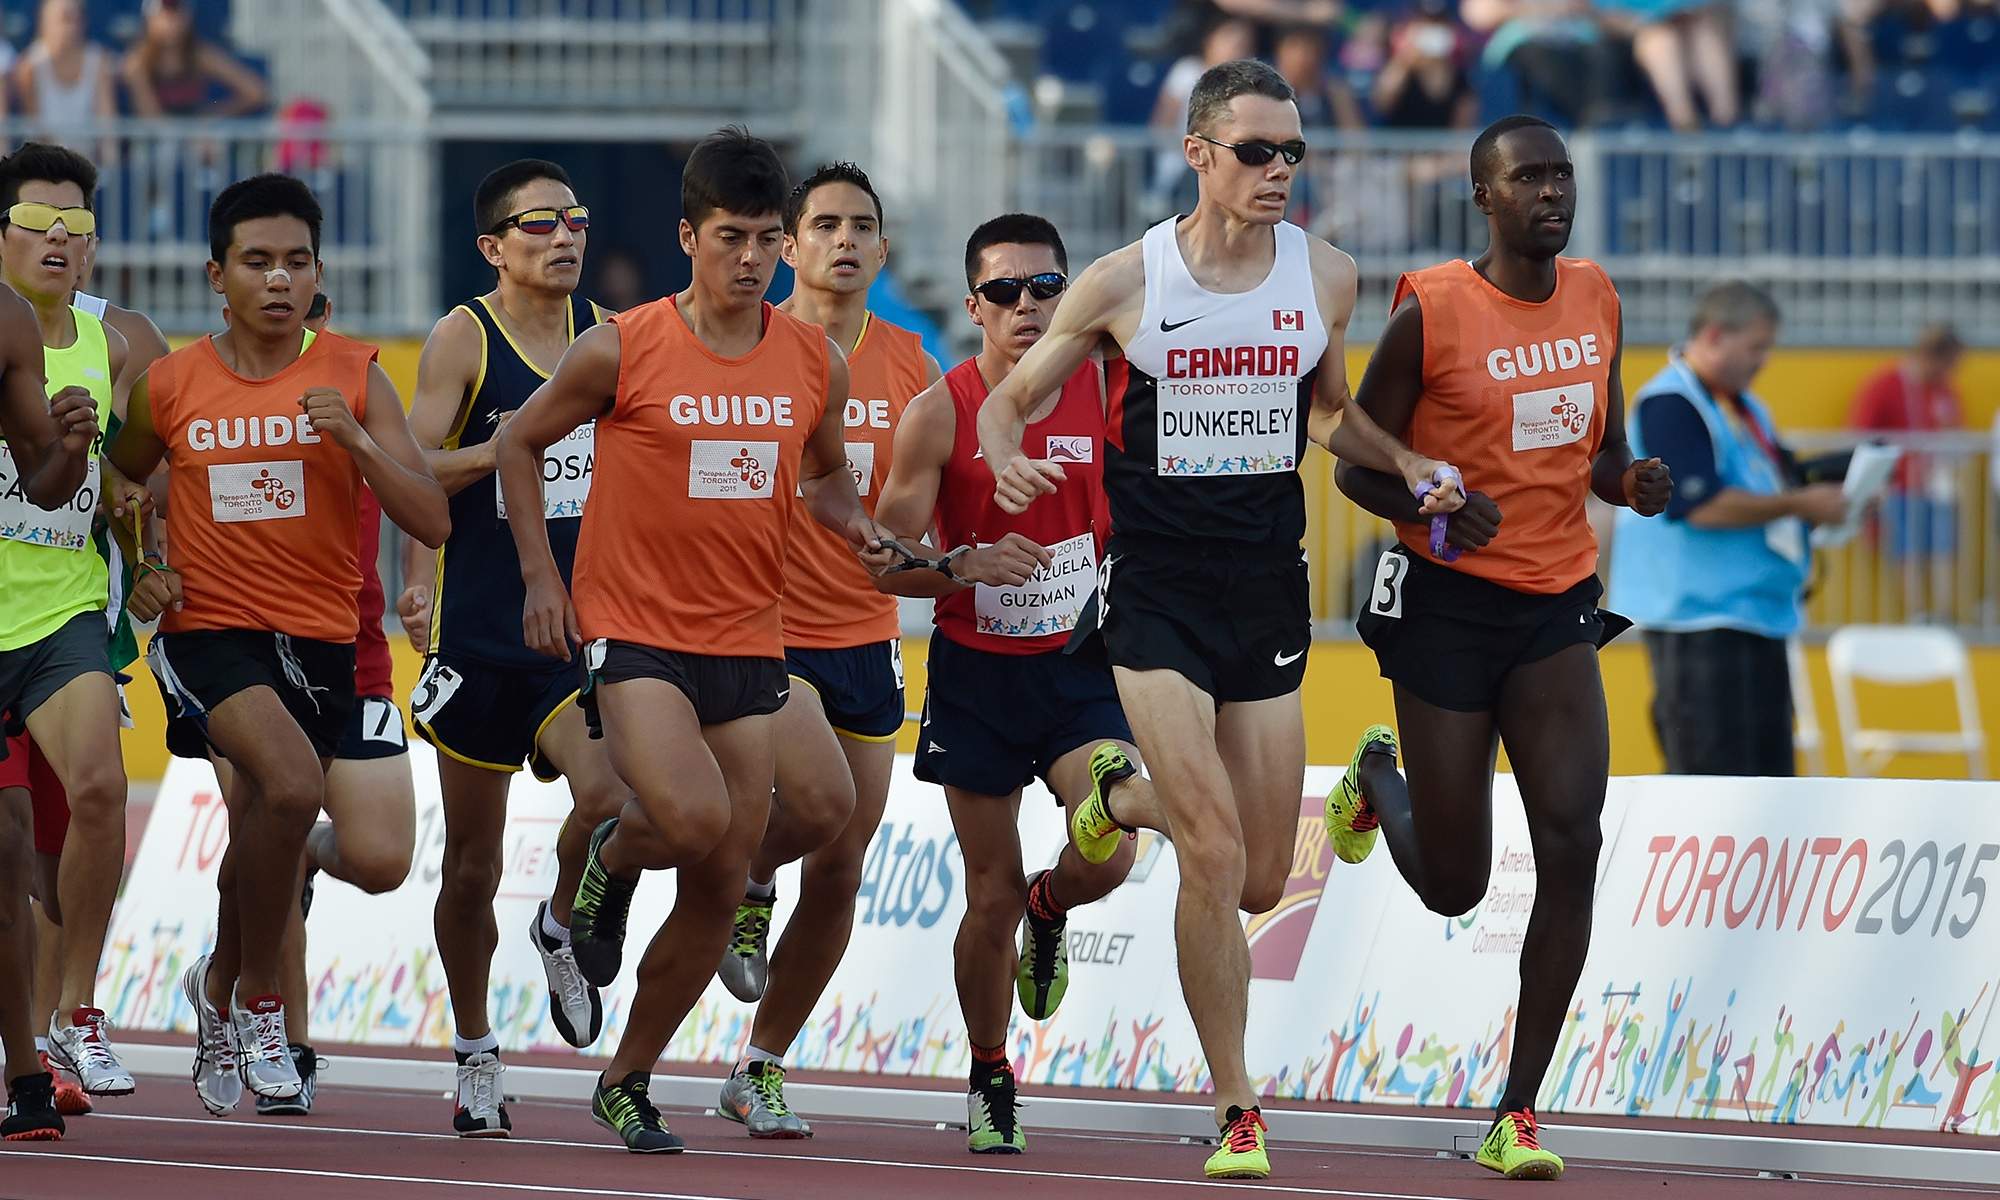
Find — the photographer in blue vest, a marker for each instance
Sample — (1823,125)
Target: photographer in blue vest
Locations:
(1715,582)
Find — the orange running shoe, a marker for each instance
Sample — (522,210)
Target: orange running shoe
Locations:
(71,1099)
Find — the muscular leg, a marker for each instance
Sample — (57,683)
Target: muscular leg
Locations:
(1559,741)
(48,938)
(984,957)
(475,825)
(17,934)
(1438,825)
(1262,744)
(681,807)
(292,981)
(1074,881)
(596,794)
(77,730)
(681,959)
(279,784)
(371,831)
(816,937)
(815,786)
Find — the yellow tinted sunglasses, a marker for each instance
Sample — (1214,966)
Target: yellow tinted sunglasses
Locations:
(41,218)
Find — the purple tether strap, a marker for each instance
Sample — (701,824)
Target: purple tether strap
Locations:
(1440,521)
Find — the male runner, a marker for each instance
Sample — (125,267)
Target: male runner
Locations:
(685,665)
(1512,361)
(47,191)
(836,734)
(1005,704)
(1224,332)
(485,700)
(255,658)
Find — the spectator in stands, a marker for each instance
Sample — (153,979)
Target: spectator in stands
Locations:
(171,72)
(63,80)
(1684,47)
(1917,394)
(1227,40)
(1424,84)
(1324,99)
(1715,581)
(1567,63)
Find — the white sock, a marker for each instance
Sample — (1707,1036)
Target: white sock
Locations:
(488,1044)
(551,929)
(764,890)
(753,1055)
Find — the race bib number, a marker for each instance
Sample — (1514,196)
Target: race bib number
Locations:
(1553,416)
(257,491)
(21,520)
(1049,602)
(434,688)
(1228,427)
(380,722)
(566,471)
(1386,598)
(896,660)
(731,470)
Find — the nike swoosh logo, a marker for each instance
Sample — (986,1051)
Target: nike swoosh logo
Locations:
(1169,328)
(1286,660)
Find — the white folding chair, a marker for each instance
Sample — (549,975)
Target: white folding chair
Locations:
(1806,736)
(1904,656)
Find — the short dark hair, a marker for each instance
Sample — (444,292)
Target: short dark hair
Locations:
(266,195)
(1224,82)
(1024,229)
(40,161)
(1486,147)
(1734,305)
(833,172)
(731,171)
(492,200)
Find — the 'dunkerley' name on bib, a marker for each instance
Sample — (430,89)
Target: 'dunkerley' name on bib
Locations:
(1229,409)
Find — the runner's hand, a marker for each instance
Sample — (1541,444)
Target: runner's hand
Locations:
(1011,560)
(1445,494)
(153,592)
(1649,485)
(413,609)
(326,409)
(548,620)
(75,414)
(122,496)
(865,537)
(1024,479)
(1475,524)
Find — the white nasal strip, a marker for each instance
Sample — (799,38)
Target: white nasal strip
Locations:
(566,470)
(1228,426)
(257,491)
(861,461)
(1047,603)
(1553,416)
(731,470)
(67,528)
(1070,449)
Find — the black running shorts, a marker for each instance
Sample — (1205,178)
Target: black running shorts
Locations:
(1450,638)
(374,730)
(201,668)
(720,688)
(1236,622)
(491,717)
(992,722)
(859,687)
(30,674)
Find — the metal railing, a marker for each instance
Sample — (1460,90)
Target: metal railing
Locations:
(1929,554)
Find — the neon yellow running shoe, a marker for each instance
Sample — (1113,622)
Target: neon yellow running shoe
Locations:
(1514,1149)
(1350,819)
(1241,1154)
(993,1114)
(1092,829)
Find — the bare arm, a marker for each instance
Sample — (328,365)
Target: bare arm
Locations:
(1644,487)
(824,480)
(138,72)
(446,372)
(390,461)
(1089,313)
(413,607)
(1735,508)
(247,93)
(583,388)
(144,346)
(51,440)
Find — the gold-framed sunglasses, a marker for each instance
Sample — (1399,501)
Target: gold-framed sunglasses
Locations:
(40,218)
(540,221)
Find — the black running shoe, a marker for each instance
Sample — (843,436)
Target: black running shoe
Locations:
(597,918)
(626,1110)
(300,1105)
(31,1110)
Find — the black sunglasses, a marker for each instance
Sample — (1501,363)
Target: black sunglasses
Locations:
(1256,154)
(1008,291)
(540,221)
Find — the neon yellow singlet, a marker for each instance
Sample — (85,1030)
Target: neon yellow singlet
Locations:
(51,570)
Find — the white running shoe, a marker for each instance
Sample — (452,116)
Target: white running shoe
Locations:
(574,1004)
(216,1079)
(266,1061)
(82,1049)
(480,1112)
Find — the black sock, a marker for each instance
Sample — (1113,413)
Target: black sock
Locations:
(985,1062)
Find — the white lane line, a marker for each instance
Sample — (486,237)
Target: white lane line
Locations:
(567,1189)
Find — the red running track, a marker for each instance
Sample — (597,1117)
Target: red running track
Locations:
(373,1145)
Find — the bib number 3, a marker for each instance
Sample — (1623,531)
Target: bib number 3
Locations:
(1385,599)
